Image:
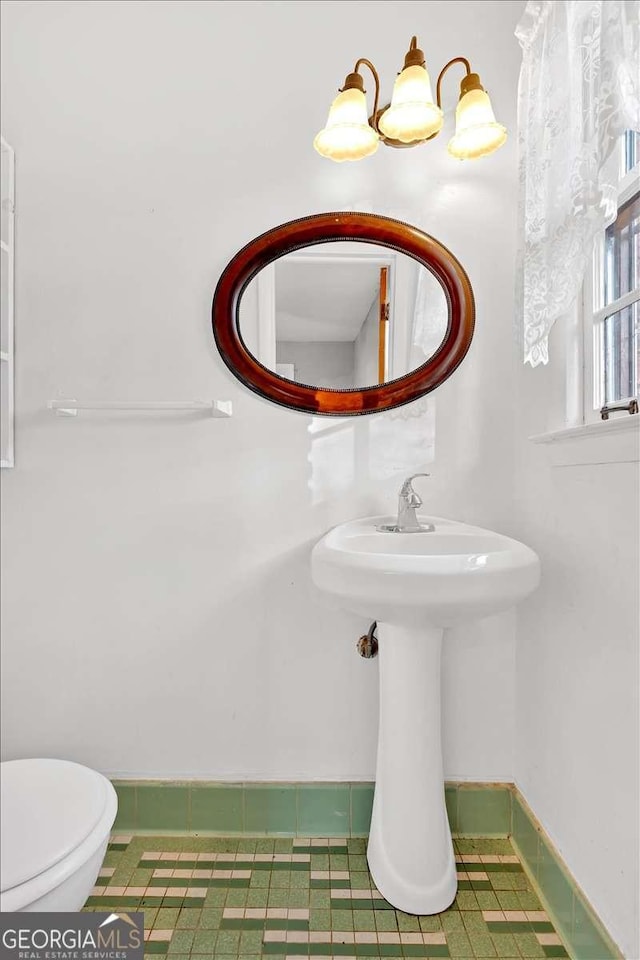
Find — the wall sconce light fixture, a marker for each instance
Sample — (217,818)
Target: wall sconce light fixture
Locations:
(412,117)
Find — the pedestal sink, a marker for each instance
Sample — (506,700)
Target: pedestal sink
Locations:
(415,585)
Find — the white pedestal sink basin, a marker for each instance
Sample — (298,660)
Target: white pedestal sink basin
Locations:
(415,585)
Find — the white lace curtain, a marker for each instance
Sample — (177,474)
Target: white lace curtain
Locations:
(578,92)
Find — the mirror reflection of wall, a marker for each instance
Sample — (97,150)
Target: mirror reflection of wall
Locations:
(343,315)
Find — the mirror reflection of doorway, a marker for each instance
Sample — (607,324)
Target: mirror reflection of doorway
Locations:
(329,324)
(341,315)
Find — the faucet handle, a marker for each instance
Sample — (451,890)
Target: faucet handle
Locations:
(407,488)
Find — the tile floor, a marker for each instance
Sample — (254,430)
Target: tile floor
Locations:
(248,898)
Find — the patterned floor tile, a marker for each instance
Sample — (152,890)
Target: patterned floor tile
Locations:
(244,899)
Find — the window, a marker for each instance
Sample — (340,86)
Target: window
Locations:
(612,297)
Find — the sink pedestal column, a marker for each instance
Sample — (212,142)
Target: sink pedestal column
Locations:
(410,852)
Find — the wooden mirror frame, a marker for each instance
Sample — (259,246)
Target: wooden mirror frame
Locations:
(324,228)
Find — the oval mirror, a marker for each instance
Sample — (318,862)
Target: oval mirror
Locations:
(343,313)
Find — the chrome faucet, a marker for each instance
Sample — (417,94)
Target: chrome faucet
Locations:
(408,503)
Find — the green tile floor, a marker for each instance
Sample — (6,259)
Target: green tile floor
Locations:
(248,898)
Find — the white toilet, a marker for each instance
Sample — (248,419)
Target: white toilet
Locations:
(55,820)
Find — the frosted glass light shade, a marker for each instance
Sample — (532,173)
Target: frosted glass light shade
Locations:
(412,115)
(347,135)
(477,132)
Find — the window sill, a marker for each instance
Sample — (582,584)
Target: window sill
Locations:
(598,428)
(604,441)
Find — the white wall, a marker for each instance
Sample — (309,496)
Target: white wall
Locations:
(327,363)
(577,751)
(365,348)
(158,614)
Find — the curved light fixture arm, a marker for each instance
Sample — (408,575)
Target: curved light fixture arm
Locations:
(374,116)
(467,67)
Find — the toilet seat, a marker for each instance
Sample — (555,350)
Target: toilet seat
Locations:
(54,815)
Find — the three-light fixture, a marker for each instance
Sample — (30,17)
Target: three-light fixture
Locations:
(412,117)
